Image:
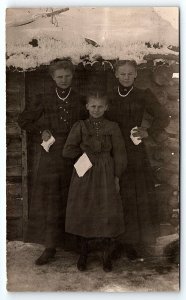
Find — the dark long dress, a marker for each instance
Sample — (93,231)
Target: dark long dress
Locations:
(140,205)
(51,172)
(94,209)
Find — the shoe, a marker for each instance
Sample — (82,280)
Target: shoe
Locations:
(46,256)
(82,263)
(107,263)
(131,253)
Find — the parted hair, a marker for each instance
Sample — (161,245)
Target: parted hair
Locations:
(120,63)
(97,94)
(61,64)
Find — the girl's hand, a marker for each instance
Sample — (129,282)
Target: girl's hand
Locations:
(117,184)
(140,132)
(46,135)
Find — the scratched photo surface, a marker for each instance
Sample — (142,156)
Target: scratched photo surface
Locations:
(92,205)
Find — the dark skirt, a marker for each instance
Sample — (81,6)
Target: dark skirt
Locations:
(47,208)
(140,205)
(94,209)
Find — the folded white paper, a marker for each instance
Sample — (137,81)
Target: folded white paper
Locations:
(136,140)
(82,165)
(46,145)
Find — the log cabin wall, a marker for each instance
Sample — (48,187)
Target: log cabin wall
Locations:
(16,157)
(163,153)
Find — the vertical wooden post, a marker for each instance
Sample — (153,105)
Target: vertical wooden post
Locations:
(24,163)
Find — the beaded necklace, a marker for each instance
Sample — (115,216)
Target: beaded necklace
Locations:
(62,97)
(125,95)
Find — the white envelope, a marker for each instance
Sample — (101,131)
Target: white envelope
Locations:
(82,165)
(135,139)
(46,145)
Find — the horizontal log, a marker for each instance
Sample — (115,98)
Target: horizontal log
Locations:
(14,208)
(172,166)
(165,176)
(13,161)
(174,202)
(164,191)
(13,105)
(173,127)
(174,221)
(172,108)
(165,156)
(14,229)
(172,143)
(173,180)
(14,171)
(14,154)
(13,129)
(14,79)
(12,116)
(13,144)
(172,90)
(162,137)
(12,87)
(14,189)
(13,179)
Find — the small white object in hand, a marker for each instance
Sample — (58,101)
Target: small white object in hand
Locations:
(82,165)
(136,140)
(46,145)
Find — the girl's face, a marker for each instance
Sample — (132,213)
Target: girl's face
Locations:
(96,107)
(63,78)
(126,75)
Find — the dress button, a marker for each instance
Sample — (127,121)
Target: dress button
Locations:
(61,118)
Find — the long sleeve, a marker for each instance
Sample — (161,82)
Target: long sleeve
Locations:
(72,146)
(28,119)
(119,151)
(158,112)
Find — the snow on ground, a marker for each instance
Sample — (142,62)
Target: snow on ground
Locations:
(154,274)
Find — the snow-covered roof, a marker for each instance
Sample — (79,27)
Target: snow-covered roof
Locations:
(35,37)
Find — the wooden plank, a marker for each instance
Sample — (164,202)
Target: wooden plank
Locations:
(13,161)
(13,144)
(12,116)
(14,207)
(13,129)
(13,189)
(14,179)
(13,170)
(14,228)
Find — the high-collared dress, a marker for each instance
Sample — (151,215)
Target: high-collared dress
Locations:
(94,208)
(140,205)
(51,173)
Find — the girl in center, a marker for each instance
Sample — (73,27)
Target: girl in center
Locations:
(94,208)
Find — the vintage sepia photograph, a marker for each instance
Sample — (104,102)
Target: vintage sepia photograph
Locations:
(92,132)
